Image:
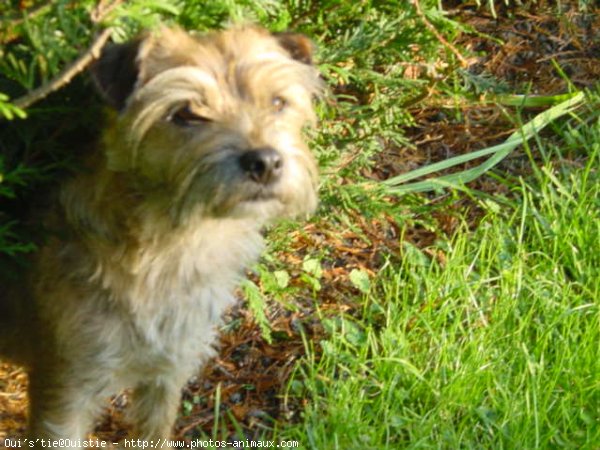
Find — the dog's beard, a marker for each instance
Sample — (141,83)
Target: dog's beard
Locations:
(216,186)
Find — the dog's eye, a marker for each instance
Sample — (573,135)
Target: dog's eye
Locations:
(279,103)
(185,117)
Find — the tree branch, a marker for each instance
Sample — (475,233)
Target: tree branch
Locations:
(66,75)
(103,8)
(437,34)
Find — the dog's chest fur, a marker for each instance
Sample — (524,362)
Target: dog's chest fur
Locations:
(156,306)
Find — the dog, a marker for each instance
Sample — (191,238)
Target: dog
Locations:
(148,241)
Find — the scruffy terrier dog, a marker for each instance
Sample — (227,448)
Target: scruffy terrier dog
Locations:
(152,238)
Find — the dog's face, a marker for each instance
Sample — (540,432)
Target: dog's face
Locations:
(214,123)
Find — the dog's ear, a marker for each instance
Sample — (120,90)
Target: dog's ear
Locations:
(297,45)
(164,49)
(123,66)
(116,72)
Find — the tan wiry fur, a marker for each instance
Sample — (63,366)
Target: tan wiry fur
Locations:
(152,238)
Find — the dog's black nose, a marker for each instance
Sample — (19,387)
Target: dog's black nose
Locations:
(262,165)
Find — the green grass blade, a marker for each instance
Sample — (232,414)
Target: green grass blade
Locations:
(499,152)
(532,101)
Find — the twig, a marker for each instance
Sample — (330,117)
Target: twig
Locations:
(8,25)
(445,43)
(65,76)
(103,8)
(11,22)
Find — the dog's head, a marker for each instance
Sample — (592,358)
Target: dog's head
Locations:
(214,123)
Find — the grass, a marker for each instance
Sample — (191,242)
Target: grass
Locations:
(488,337)
(494,343)
(499,152)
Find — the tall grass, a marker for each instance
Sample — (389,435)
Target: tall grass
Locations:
(493,344)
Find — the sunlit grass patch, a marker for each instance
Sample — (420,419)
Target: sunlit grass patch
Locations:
(493,343)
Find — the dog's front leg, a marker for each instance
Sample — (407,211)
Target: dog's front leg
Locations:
(62,406)
(154,407)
